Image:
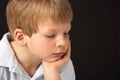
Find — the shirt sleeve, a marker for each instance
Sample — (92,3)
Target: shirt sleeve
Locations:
(68,73)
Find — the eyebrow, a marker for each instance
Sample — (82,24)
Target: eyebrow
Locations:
(68,27)
(53,30)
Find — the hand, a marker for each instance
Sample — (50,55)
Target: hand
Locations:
(52,69)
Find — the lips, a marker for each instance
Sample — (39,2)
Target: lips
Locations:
(59,54)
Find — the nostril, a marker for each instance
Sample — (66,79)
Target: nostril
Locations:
(61,43)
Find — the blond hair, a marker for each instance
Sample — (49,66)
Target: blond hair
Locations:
(25,14)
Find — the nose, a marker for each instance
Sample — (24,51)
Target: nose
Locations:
(61,42)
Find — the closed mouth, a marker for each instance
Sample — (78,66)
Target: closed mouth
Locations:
(59,54)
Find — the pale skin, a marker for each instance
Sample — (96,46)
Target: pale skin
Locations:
(50,46)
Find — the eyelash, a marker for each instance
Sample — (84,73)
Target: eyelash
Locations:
(52,36)
(66,34)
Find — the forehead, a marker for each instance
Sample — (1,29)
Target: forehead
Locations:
(51,24)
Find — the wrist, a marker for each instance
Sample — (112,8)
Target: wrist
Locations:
(51,74)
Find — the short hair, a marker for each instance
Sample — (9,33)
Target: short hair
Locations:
(25,14)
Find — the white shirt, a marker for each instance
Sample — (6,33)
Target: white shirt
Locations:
(10,69)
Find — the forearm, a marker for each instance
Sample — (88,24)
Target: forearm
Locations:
(50,74)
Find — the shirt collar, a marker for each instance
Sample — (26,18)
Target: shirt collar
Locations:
(6,54)
(8,59)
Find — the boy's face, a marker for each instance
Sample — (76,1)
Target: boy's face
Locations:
(50,42)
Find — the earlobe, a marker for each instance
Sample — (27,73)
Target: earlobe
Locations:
(19,37)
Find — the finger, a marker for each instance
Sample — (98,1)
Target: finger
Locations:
(66,57)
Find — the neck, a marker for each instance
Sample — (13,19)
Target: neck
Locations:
(28,61)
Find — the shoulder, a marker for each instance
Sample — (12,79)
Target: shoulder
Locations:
(68,72)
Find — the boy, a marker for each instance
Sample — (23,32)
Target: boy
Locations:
(38,45)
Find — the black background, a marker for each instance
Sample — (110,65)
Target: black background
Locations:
(95,38)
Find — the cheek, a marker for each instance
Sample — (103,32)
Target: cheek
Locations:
(45,48)
(40,48)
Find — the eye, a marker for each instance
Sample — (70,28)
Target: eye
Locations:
(50,36)
(66,34)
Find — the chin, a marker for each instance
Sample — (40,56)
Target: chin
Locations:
(53,60)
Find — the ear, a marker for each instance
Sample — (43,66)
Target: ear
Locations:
(19,37)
